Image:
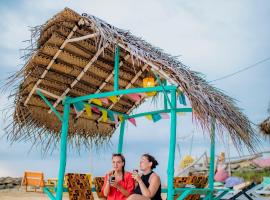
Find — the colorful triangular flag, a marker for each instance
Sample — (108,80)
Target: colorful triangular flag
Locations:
(181,113)
(79,106)
(113,99)
(165,115)
(149,117)
(96,101)
(182,98)
(135,97)
(121,118)
(104,115)
(104,100)
(133,121)
(111,117)
(88,110)
(156,117)
(116,119)
(95,109)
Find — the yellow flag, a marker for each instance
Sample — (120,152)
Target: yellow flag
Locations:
(149,117)
(104,115)
(121,118)
(181,113)
(96,101)
(88,110)
(113,99)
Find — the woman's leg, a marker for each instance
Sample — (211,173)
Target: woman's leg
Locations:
(137,197)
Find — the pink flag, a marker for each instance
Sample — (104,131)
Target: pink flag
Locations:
(135,97)
(115,119)
(95,109)
(165,115)
(143,95)
(104,100)
(133,121)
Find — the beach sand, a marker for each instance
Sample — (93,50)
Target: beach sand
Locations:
(19,193)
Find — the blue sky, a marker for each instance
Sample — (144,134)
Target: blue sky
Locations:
(213,37)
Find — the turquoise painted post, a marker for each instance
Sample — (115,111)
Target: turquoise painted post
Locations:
(63,150)
(212,159)
(121,136)
(116,67)
(165,97)
(170,170)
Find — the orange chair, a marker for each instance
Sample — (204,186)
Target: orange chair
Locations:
(35,179)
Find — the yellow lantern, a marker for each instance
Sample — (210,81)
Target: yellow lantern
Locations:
(149,82)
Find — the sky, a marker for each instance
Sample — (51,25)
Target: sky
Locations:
(215,38)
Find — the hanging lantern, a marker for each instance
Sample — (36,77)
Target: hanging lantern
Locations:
(149,82)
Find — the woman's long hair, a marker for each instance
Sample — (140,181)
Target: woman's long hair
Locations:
(123,160)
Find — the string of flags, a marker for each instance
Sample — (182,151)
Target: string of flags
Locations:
(115,117)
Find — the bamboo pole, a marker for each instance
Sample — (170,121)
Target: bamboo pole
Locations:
(80,75)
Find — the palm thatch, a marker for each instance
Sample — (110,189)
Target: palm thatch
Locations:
(61,67)
(265,126)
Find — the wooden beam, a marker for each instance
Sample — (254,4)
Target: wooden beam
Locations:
(80,75)
(83,37)
(52,61)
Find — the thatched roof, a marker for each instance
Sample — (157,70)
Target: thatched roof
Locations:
(54,64)
(265,126)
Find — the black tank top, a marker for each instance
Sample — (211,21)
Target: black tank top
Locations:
(145,180)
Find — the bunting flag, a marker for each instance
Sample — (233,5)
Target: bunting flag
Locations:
(143,95)
(111,116)
(78,106)
(149,117)
(104,100)
(88,110)
(182,99)
(116,119)
(181,113)
(121,118)
(113,99)
(104,115)
(95,109)
(156,117)
(135,97)
(165,115)
(133,121)
(96,101)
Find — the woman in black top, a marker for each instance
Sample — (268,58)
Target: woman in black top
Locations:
(148,185)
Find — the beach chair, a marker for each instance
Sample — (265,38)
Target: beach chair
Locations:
(35,179)
(98,182)
(79,187)
(242,190)
(265,187)
(195,181)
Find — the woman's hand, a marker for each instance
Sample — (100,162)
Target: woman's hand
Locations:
(136,176)
(114,184)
